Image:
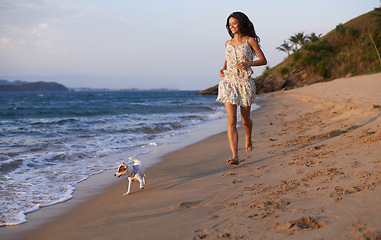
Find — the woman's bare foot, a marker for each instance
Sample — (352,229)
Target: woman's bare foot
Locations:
(249,145)
(233,161)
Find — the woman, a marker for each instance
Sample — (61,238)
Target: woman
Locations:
(238,88)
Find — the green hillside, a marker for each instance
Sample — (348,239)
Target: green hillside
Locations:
(350,49)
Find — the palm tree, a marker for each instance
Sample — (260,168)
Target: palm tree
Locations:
(313,37)
(294,40)
(285,47)
(301,39)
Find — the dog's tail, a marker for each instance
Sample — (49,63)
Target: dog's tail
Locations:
(133,159)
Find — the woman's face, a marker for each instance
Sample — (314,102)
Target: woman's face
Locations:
(234,25)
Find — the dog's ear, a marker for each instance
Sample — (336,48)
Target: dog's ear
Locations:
(119,164)
(123,164)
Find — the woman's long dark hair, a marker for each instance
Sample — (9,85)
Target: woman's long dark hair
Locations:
(246,27)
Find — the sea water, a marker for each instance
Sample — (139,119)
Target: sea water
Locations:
(50,141)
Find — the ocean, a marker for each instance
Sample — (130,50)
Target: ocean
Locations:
(50,141)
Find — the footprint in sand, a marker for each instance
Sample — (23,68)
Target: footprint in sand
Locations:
(339,192)
(366,231)
(356,164)
(257,216)
(186,205)
(299,224)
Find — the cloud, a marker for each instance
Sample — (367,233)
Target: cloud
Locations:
(121,19)
(66,6)
(7,44)
(6,40)
(43,44)
(39,26)
(62,51)
(43,25)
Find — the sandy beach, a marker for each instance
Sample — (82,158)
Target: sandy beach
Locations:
(314,173)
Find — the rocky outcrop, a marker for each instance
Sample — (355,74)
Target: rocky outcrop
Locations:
(210,91)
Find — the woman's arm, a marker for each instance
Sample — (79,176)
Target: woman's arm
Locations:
(224,68)
(262,59)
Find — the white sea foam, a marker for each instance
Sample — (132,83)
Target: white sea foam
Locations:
(46,179)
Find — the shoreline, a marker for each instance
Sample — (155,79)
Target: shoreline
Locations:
(82,141)
(314,173)
(98,183)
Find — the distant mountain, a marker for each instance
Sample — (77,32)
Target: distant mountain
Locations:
(6,82)
(22,86)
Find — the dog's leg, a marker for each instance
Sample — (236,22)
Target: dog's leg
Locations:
(129,186)
(141,181)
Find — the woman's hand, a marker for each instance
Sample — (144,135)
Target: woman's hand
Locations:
(222,73)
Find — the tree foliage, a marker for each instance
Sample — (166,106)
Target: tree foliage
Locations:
(285,47)
(297,41)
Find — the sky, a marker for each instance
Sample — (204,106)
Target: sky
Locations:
(120,44)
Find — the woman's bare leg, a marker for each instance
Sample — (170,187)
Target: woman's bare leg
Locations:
(248,126)
(231,111)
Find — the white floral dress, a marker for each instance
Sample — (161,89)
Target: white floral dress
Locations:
(237,87)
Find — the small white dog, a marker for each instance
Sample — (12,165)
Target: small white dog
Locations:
(134,170)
